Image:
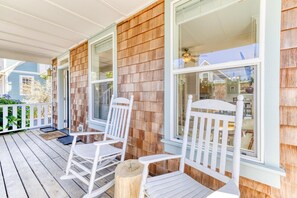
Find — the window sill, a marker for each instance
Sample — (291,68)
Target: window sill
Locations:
(263,173)
(97,125)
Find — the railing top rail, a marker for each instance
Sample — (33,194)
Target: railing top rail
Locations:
(31,104)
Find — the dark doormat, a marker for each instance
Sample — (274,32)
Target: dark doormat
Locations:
(66,131)
(67,140)
(48,129)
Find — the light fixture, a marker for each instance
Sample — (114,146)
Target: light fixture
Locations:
(186,55)
(49,72)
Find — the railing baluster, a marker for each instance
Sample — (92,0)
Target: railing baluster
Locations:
(15,114)
(39,115)
(51,113)
(45,114)
(23,117)
(5,112)
(31,115)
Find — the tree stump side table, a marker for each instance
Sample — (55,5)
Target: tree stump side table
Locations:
(127,179)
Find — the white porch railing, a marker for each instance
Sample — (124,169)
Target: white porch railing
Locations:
(16,117)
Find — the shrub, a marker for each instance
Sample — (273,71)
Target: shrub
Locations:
(11,120)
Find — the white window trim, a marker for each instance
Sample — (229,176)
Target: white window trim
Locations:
(21,84)
(110,31)
(266,170)
(60,100)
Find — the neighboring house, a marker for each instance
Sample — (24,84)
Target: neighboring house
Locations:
(16,75)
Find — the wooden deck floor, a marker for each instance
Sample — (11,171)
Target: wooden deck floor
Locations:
(31,167)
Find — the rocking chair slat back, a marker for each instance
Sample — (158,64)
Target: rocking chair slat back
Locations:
(209,125)
(117,125)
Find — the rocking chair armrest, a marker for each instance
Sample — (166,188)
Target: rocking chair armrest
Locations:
(86,133)
(100,143)
(157,158)
(229,190)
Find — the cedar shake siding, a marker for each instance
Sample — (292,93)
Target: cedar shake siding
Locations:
(140,73)
(79,86)
(288,98)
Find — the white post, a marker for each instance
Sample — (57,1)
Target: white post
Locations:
(31,115)
(237,139)
(94,170)
(15,114)
(45,114)
(23,116)
(5,112)
(38,115)
(127,128)
(185,140)
(143,180)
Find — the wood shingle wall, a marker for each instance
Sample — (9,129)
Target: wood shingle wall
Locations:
(140,72)
(79,86)
(288,98)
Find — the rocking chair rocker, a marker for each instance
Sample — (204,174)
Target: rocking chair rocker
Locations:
(207,153)
(101,154)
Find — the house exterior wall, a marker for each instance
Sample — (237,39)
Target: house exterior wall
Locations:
(140,72)
(13,79)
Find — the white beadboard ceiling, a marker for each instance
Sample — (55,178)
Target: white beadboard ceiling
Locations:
(39,30)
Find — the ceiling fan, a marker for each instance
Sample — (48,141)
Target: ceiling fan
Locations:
(187,56)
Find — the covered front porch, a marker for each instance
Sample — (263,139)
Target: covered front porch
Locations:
(159,51)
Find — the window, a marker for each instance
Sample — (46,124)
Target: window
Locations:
(26,85)
(216,56)
(101,77)
(218,49)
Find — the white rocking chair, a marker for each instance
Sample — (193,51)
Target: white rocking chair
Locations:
(207,153)
(101,154)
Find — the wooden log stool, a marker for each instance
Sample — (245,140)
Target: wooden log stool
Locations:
(127,179)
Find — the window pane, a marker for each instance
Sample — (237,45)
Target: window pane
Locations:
(215,31)
(26,86)
(102,93)
(102,60)
(226,85)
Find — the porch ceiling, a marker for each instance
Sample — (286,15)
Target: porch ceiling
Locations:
(39,30)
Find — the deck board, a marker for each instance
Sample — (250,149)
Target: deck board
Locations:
(2,184)
(13,182)
(31,167)
(32,185)
(50,184)
(70,186)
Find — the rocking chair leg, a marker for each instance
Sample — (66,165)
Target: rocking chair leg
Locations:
(93,176)
(69,162)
